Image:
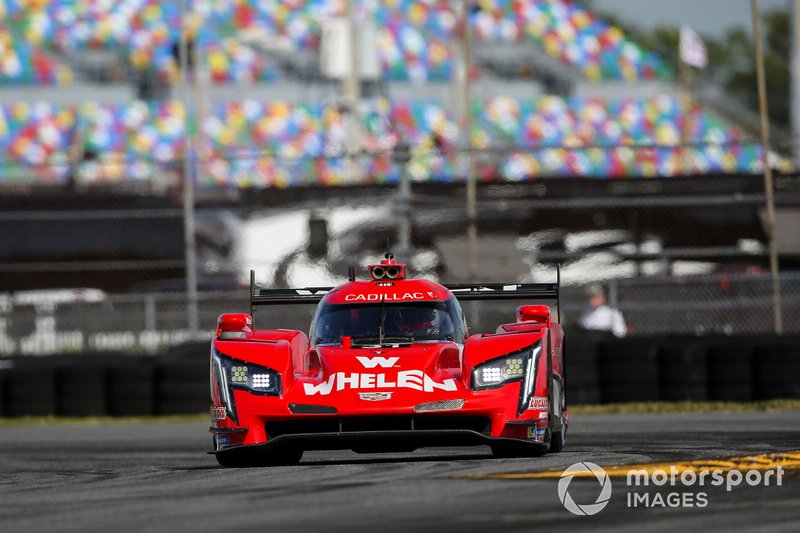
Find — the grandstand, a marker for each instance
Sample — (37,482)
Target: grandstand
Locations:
(87,92)
(569,118)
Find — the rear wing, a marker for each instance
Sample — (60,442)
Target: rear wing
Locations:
(462,291)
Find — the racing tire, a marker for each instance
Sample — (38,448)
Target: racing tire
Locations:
(2,392)
(581,349)
(777,366)
(682,369)
(131,388)
(629,371)
(557,439)
(730,370)
(282,458)
(81,390)
(30,391)
(181,381)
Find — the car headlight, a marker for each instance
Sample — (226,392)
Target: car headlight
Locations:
(516,366)
(231,373)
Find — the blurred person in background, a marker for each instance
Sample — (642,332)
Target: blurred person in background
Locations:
(599,316)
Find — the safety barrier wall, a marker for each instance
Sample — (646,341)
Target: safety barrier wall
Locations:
(600,369)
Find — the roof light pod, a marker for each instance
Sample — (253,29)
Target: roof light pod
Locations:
(388,269)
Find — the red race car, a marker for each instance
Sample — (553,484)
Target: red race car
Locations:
(388,365)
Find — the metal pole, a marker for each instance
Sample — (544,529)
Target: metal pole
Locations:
(472,193)
(685,84)
(352,94)
(768,182)
(794,62)
(402,157)
(188,182)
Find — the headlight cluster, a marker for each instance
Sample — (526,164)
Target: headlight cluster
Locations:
(517,366)
(233,373)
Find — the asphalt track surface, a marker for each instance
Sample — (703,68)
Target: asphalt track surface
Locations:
(157,477)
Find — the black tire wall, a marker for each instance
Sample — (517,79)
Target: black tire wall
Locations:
(182,380)
(600,369)
(31,391)
(629,370)
(682,368)
(777,368)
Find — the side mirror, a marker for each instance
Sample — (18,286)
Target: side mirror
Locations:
(534,313)
(234,326)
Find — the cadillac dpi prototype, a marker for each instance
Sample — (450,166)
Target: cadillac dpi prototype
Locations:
(388,365)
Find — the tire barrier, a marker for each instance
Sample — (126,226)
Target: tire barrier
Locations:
(682,370)
(30,391)
(628,370)
(580,349)
(81,390)
(131,388)
(777,368)
(3,374)
(730,370)
(599,370)
(182,378)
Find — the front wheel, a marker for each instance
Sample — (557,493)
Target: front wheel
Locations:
(557,439)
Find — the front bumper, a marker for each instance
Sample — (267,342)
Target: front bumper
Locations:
(395,424)
(375,441)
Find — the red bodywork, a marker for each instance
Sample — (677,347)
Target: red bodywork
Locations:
(386,397)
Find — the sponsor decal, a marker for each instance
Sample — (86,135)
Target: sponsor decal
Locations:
(390,297)
(375,396)
(218,413)
(373,362)
(539,402)
(405,379)
(222,441)
(531,432)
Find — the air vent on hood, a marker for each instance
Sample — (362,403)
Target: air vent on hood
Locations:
(444,405)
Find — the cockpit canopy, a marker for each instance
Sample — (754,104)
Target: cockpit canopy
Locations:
(389,322)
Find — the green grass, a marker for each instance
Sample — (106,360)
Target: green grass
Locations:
(614,408)
(685,407)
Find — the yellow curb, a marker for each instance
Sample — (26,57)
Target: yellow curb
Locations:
(765,461)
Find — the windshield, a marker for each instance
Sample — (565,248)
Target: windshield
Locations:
(389,323)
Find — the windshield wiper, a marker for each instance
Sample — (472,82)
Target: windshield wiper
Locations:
(384,340)
(397,339)
(365,341)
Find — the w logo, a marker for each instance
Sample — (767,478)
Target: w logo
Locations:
(373,362)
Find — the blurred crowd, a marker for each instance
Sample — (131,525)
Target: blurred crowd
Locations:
(274,143)
(413,36)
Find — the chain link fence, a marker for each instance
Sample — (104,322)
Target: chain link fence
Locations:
(149,323)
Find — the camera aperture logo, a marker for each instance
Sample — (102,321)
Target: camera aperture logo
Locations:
(583,469)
